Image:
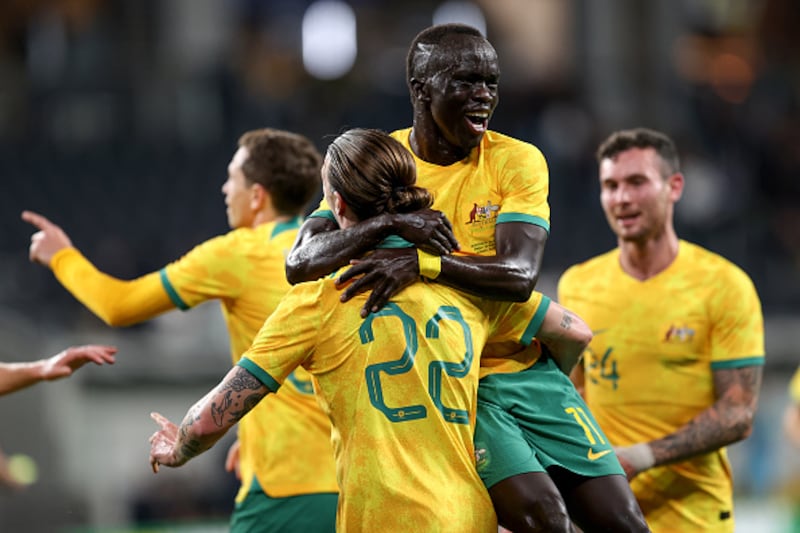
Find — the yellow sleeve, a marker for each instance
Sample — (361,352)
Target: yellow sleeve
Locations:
(116,302)
(794,387)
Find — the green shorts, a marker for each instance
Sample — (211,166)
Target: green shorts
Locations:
(259,512)
(532,420)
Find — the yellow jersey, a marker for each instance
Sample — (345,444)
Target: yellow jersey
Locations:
(285,441)
(649,368)
(400,388)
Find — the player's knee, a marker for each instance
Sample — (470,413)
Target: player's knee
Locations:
(546,513)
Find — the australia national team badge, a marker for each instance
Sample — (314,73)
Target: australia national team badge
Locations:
(482,458)
(679,334)
(483,214)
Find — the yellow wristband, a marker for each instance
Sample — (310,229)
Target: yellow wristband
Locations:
(429,265)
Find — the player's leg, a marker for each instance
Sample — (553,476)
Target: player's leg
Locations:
(576,452)
(524,497)
(530,502)
(603,503)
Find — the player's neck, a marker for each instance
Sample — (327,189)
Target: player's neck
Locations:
(269,215)
(433,148)
(645,259)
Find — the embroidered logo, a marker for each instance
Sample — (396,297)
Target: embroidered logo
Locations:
(594,456)
(481,457)
(483,213)
(679,335)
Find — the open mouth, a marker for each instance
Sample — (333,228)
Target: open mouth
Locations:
(477,122)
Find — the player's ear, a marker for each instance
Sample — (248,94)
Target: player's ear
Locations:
(419,89)
(339,206)
(676,183)
(258,197)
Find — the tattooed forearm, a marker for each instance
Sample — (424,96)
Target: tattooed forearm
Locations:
(566,319)
(728,420)
(210,418)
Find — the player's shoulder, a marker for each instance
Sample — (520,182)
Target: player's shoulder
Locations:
(401,135)
(714,266)
(495,139)
(591,268)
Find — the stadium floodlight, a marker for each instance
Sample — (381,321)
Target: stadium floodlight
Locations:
(329,39)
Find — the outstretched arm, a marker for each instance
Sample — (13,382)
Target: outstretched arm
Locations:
(116,302)
(728,420)
(15,376)
(321,247)
(207,421)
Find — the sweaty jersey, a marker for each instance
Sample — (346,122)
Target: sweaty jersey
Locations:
(400,388)
(649,369)
(503,180)
(285,441)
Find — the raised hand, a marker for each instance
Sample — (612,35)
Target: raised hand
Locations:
(64,363)
(47,241)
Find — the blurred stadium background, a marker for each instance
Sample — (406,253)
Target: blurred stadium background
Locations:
(118,118)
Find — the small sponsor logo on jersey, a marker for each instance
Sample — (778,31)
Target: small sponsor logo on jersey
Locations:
(679,334)
(482,214)
(594,456)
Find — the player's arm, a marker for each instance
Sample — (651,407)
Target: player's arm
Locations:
(116,302)
(321,247)
(791,413)
(15,376)
(729,419)
(509,275)
(565,335)
(207,421)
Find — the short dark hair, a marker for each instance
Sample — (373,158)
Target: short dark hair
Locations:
(623,140)
(286,164)
(431,37)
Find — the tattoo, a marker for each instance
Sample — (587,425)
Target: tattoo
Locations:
(729,419)
(232,402)
(226,405)
(566,320)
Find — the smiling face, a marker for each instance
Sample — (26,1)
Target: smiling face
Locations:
(461,89)
(636,197)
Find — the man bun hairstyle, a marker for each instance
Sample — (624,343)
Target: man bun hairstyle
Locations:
(374,174)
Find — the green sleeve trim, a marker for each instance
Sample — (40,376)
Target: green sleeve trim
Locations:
(757,360)
(536,322)
(171,292)
(259,373)
(521,217)
(323,213)
(393,241)
(280,227)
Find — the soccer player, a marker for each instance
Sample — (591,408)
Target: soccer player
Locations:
(285,459)
(674,370)
(399,386)
(535,437)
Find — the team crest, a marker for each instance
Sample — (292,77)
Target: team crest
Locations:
(481,456)
(679,335)
(481,214)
